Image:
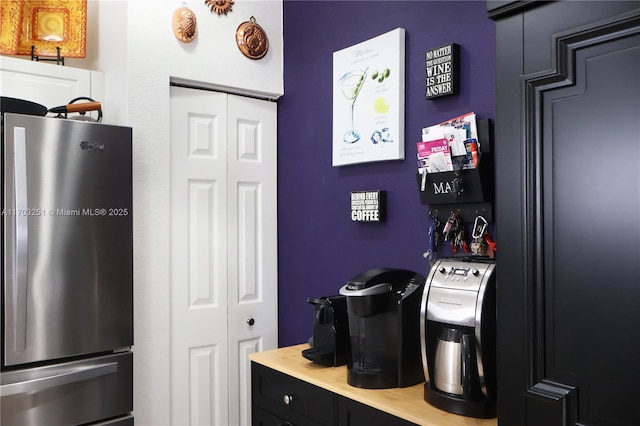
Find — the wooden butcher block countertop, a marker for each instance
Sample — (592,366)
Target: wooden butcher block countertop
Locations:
(407,403)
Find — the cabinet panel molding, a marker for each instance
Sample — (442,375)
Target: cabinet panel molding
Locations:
(551,404)
(541,91)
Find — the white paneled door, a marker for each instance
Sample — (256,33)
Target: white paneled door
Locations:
(223,251)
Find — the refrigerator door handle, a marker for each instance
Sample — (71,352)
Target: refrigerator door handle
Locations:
(21,253)
(76,374)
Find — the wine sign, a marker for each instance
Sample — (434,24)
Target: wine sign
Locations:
(442,71)
(368,206)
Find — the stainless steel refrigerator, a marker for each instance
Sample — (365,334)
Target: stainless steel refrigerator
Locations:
(67,280)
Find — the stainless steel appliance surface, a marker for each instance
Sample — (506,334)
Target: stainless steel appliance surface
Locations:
(457,328)
(67,281)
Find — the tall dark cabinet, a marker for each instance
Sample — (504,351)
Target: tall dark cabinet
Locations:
(567,153)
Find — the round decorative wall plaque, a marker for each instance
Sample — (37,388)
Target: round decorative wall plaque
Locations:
(251,39)
(184,24)
(221,7)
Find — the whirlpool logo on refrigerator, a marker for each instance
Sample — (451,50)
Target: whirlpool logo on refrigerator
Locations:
(91,146)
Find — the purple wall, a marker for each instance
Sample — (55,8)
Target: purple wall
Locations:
(320,248)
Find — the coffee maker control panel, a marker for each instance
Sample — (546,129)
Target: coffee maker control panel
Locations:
(461,275)
(460,272)
(454,289)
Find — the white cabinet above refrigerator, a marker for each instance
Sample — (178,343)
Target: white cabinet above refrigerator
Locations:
(48,84)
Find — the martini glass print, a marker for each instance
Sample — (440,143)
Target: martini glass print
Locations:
(350,84)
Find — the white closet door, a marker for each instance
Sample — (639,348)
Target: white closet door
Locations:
(199,336)
(223,252)
(253,246)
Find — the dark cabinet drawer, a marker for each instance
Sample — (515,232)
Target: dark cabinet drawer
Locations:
(259,417)
(353,413)
(291,399)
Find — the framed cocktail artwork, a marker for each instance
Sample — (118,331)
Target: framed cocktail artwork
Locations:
(368,100)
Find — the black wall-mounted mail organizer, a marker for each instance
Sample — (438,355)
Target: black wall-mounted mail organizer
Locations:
(440,189)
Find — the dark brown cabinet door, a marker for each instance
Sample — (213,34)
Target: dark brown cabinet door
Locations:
(568,212)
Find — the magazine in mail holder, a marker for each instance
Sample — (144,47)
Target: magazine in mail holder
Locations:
(472,188)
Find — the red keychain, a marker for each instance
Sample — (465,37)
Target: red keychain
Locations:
(489,241)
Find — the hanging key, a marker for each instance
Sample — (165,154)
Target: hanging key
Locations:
(463,241)
(462,236)
(454,244)
(457,230)
(450,226)
(459,242)
(434,235)
(437,233)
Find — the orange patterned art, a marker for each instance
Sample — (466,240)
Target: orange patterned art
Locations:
(10,18)
(47,25)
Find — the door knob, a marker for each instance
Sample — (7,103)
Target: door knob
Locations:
(251,321)
(288,399)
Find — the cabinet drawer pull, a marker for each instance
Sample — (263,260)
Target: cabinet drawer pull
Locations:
(288,399)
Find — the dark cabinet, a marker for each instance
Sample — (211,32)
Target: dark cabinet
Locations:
(567,155)
(261,417)
(353,413)
(290,399)
(282,400)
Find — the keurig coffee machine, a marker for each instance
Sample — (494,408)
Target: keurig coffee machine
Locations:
(383,307)
(458,329)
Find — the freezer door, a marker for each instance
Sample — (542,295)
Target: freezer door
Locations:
(71,393)
(67,238)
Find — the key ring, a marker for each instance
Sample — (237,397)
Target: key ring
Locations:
(476,234)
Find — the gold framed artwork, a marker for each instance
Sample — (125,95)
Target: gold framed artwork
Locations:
(45,25)
(10,23)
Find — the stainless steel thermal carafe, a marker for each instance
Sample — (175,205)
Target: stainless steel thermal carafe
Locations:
(447,370)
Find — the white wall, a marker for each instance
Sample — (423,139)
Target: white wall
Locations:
(154,56)
(133,44)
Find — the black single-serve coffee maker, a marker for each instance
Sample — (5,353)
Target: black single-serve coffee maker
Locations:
(383,307)
(330,342)
(458,330)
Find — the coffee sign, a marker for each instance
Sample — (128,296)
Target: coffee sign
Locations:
(368,206)
(442,71)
